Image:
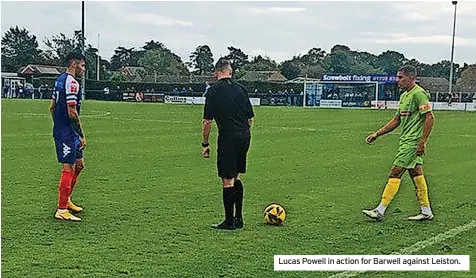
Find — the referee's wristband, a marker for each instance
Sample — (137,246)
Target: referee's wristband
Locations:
(204,145)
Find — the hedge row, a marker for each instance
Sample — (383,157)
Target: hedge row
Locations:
(167,87)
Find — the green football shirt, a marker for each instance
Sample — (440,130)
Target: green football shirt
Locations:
(414,104)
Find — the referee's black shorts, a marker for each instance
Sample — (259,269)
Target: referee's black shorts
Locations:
(232,152)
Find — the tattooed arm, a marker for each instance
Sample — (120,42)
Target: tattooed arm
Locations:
(73,115)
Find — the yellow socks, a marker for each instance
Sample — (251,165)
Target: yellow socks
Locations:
(390,190)
(422,193)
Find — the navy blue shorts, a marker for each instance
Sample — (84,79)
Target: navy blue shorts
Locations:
(68,150)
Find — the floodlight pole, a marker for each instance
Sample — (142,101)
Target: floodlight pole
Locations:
(453,47)
(83,81)
(98,62)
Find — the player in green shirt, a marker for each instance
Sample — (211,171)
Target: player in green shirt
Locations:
(416,118)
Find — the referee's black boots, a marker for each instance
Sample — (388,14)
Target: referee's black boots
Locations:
(238,221)
(225,225)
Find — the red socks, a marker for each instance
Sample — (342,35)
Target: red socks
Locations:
(64,188)
(77,171)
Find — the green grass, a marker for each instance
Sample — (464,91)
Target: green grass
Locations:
(150,197)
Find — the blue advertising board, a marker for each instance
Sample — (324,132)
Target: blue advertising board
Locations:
(381,78)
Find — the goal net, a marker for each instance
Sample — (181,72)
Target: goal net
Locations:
(335,94)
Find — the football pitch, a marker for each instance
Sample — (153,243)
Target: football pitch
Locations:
(150,197)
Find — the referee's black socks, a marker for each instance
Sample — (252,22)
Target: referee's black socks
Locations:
(228,201)
(238,185)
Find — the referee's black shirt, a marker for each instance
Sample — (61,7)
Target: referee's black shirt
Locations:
(228,104)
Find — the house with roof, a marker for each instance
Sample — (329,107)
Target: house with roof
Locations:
(434,84)
(41,70)
(264,76)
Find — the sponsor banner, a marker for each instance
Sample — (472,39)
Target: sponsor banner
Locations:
(153,97)
(371,263)
(456,106)
(129,96)
(331,103)
(392,104)
(195,100)
(377,104)
(471,106)
(175,100)
(255,101)
(357,103)
(274,100)
(381,78)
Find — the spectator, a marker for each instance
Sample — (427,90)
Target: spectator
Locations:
(106,93)
(20,91)
(5,91)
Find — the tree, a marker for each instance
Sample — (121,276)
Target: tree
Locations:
(460,70)
(390,61)
(422,68)
(153,45)
(339,61)
(260,63)
(310,64)
(339,47)
(19,48)
(117,76)
(163,62)
(91,54)
(315,71)
(121,58)
(290,68)
(442,69)
(237,58)
(60,46)
(364,62)
(315,56)
(468,77)
(201,60)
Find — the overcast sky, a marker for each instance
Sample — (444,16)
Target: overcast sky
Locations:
(420,30)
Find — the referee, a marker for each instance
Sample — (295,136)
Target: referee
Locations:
(228,104)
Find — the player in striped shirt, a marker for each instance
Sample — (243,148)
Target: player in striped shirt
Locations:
(68,134)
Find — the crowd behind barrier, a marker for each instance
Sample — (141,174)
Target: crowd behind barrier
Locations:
(330,98)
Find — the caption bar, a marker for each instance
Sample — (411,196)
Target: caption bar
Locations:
(371,263)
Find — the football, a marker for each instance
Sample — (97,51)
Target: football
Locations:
(274,214)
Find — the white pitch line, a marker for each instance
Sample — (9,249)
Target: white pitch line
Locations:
(105,114)
(417,246)
(48,115)
(293,128)
(154,120)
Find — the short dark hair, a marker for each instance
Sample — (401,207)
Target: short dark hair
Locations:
(222,64)
(409,70)
(74,55)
